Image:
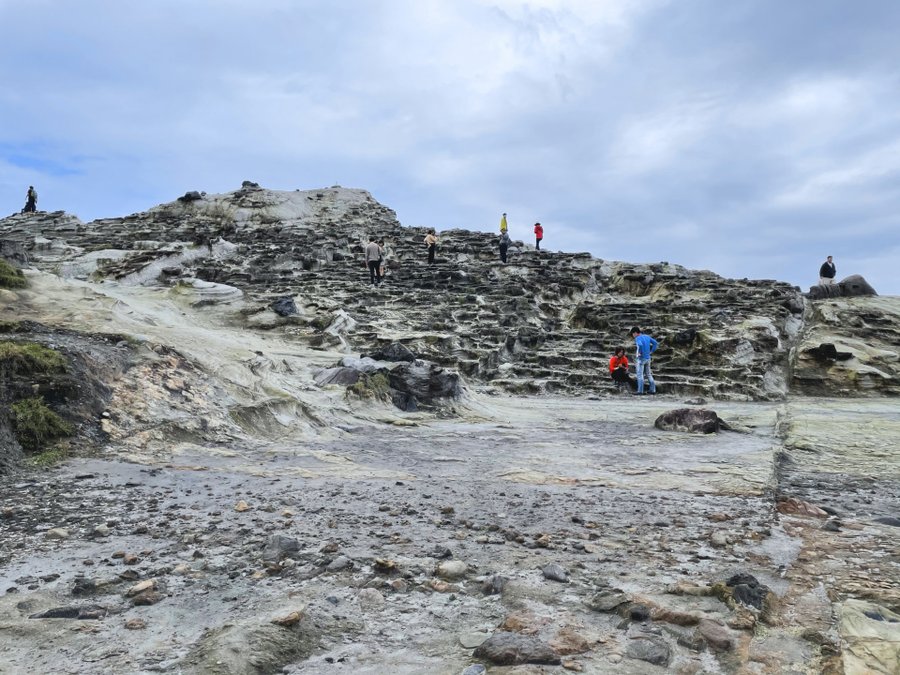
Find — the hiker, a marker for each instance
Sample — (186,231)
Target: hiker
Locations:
(538,235)
(30,200)
(504,245)
(827,272)
(373,261)
(646,345)
(382,259)
(503,225)
(431,243)
(618,368)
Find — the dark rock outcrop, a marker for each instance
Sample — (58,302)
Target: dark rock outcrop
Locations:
(692,420)
(853,286)
(511,649)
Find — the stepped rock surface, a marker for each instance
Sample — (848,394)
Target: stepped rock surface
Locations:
(274,466)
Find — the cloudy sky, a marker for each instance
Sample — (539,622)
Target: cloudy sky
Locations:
(749,137)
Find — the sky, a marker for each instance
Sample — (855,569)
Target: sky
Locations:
(747,137)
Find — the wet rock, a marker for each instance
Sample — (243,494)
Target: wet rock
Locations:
(84,586)
(511,649)
(638,612)
(606,600)
(452,570)
(284,306)
(57,533)
(692,420)
(650,649)
(555,572)
(393,352)
(101,530)
(747,590)
(83,612)
(147,598)
(888,520)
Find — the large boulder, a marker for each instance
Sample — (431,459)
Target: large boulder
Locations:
(692,420)
(853,286)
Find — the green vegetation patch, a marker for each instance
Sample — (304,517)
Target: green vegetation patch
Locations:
(371,386)
(10,327)
(30,357)
(10,277)
(36,425)
(49,458)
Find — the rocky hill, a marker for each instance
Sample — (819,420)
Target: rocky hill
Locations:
(544,322)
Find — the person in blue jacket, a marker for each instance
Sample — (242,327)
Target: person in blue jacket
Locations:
(646,345)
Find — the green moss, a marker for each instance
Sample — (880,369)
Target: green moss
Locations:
(49,458)
(10,326)
(371,386)
(30,357)
(36,425)
(10,277)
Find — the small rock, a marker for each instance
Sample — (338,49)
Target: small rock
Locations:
(340,563)
(101,530)
(477,669)
(57,533)
(718,637)
(135,624)
(650,649)
(719,539)
(145,585)
(452,570)
(130,559)
(494,585)
(510,649)
(384,566)
(279,546)
(146,598)
(241,506)
(606,601)
(639,612)
(370,599)
(472,640)
(555,572)
(567,642)
(289,619)
(574,666)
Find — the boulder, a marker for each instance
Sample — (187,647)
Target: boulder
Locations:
(284,306)
(393,352)
(692,420)
(191,196)
(512,649)
(853,286)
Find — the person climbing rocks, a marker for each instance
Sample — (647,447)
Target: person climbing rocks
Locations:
(382,259)
(373,261)
(431,243)
(827,272)
(618,368)
(503,226)
(646,345)
(538,235)
(30,200)
(504,245)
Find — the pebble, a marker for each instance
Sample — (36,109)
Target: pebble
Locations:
(370,599)
(555,572)
(340,563)
(135,624)
(452,570)
(57,533)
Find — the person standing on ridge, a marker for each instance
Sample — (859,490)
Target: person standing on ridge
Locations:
(827,272)
(538,235)
(30,200)
(373,261)
(646,345)
(504,245)
(431,243)
(503,225)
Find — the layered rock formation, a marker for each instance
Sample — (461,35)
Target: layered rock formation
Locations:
(545,322)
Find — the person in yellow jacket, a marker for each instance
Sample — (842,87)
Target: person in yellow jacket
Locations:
(503,226)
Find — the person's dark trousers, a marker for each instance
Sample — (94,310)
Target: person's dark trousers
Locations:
(431,249)
(537,244)
(503,253)
(374,272)
(620,377)
(30,206)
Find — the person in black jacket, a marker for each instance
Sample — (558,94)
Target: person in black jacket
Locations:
(827,272)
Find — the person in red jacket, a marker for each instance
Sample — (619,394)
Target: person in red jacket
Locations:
(618,368)
(538,235)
